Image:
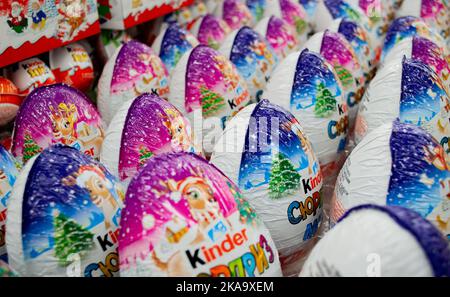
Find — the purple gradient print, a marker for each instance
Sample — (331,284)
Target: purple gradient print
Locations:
(152,126)
(281,37)
(56,114)
(212,31)
(138,67)
(236,14)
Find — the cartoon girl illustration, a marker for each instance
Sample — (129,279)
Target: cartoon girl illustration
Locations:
(204,209)
(103,193)
(153,80)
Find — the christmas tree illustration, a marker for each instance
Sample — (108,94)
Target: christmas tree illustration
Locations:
(211,101)
(144,155)
(246,212)
(300,25)
(344,75)
(70,238)
(30,148)
(283,177)
(325,102)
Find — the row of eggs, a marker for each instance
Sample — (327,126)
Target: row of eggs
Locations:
(279,183)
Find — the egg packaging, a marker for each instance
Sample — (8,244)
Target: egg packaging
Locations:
(257,8)
(340,54)
(210,31)
(56,114)
(384,241)
(8,174)
(265,151)
(63,216)
(30,74)
(72,65)
(307,86)
(142,128)
(235,13)
(279,34)
(293,13)
(435,13)
(410,26)
(361,43)
(10,100)
(424,50)
(208,90)
(329,10)
(397,164)
(183,217)
(171,43)
(133,70)
(411,91)
(253,56)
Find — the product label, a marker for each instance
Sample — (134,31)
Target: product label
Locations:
(340,54)
(194,222)
(138,70)
(422,183)
(153,126)
(8,175)
(316,90)
(175,43)
(281,37)
(425,102)
(31,74)
(57,114)
(214,85)
(71,223)
(212,31)
(279,169)
(254,59)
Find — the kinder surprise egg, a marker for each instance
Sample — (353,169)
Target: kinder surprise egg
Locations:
(253,57)
(384,241)
(279,35)
(397,164)
(293,13)
(424,50)
(235,13)
(142,128)
(172,43)
(266,153)
(409,26)
(72,65)
(210,31)
(434,12)
(208,90)
(64,211)
(411,91)
(184,218)
(133,70)
(8,175)
(360,41)
(56,114)
(9,101)
(257,8)
(31,74)
(307,85)
(340,54)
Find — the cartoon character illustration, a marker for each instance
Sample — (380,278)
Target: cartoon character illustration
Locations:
(436,156)
(204,209)
(103,193)
(17,19)
(174,122)
(72,14)
(38,16)
(64,122)
(153,78)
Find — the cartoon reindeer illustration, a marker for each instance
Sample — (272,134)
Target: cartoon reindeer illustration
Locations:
(102,191)
(203,208)
(174,122)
